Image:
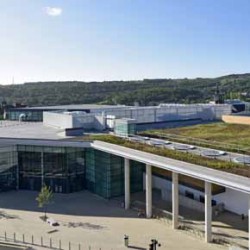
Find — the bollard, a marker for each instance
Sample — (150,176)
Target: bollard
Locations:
(23,239)
(14,236)
(89,247)
(79,247)
(42,241)
(69,246)
(32,240)
(60,245)
(50,243)
(5,236)
(126,239)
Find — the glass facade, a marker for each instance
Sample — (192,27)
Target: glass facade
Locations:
(66,170)
(29,115)
(125,129)
(61,168)
(105,174)
(8,168)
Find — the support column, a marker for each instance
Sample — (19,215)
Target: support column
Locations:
(127,182)
(208,212)
(175,200)
(148,191)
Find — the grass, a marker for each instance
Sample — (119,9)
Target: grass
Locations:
(229,137)
(231,167)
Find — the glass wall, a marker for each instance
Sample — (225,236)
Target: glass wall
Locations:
(66,169)
(105,174)
(125,129)
(29,115)
(61,168)
(8,168)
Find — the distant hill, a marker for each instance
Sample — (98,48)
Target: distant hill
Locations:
(145,92)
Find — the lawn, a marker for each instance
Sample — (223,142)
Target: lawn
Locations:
(186,157)
(219,134)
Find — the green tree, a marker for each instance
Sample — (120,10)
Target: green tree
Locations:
(44,198)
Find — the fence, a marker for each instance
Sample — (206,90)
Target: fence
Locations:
(30,242)
(200,142)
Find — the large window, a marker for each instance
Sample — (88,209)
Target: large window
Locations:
(61,168)
(105,174)
(8,168)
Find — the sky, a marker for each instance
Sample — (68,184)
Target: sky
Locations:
(98,40)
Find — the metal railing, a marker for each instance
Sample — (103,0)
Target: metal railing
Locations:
(30,242)
(230,147)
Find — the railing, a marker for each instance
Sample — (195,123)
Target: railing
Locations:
(200,142)
(25,241)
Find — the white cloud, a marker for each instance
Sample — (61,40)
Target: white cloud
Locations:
(53,11)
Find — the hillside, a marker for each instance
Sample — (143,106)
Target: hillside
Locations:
(146,92)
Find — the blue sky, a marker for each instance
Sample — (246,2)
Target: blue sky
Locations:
(122,39)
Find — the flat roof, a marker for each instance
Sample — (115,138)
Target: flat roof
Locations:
(40,142)
(31,130)
(70,107)
(218,177)
(79,107)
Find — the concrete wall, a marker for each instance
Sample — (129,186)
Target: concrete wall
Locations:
(165,186)
(99,122)
(172,112)
(235,119)
(57,120)
(238,204)
(234,201)
(64,120)
(86,121)
(154,114)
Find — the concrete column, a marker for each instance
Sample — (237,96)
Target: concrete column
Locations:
(208,212)
(127,182)
(175,200)
(148,191)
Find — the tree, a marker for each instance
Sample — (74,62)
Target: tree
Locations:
(44,198)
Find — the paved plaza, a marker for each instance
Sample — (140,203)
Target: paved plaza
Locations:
(90,221)
(226,226)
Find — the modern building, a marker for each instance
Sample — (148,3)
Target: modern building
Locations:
(36,113)
(64,166)
(27,161)
(111,170)
(146,117)
(147,114)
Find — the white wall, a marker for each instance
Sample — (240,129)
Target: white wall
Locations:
(57,120)
(140,114)
(166,187)
(83,121)
(234,201)
(99,122)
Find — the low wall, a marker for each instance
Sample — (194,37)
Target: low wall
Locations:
(235,119)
